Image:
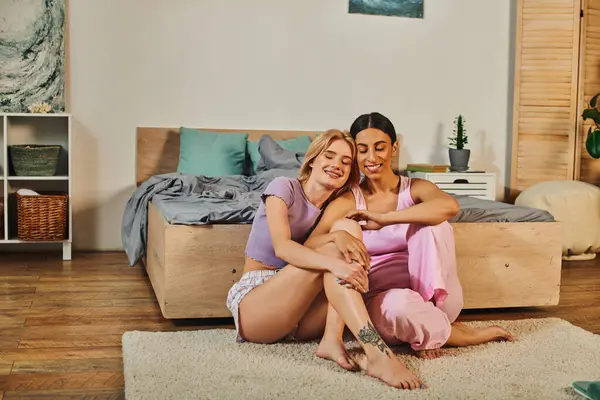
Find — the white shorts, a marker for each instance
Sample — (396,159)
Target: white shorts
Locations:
(241,288)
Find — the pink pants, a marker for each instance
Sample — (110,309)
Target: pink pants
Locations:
(404,285)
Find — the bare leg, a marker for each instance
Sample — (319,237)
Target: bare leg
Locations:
(271,311)
(312,324)
(321,320)
(382,363)
(430,354)
(332,345)
(464,335)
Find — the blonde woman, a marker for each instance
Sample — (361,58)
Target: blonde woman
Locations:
(289,290)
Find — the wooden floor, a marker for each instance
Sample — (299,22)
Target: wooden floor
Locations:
(61,322)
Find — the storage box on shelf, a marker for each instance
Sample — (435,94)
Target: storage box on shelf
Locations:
(481,185)
(37,156)
(34,159)
(41,217)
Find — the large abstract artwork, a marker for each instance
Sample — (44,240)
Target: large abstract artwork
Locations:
(32,54)
(396,8)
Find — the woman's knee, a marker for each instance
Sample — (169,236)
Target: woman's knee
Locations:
(398,305)
(405,316)
(348,225)
(343,224)
(453,306)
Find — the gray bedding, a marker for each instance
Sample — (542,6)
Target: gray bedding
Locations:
(479,210)
(200,200)
(193,200)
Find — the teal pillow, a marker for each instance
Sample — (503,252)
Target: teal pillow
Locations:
(211,153)
(297,145)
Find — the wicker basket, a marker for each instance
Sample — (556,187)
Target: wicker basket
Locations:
(34,159)
(41,217)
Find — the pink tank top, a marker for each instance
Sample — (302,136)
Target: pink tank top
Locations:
(392,238)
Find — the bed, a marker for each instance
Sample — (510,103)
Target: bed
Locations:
(503,262)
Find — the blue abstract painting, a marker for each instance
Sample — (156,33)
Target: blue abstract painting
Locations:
(32,54)
(395,8)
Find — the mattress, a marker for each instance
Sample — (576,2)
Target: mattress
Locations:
(479,210)
(182,210)
(200,200)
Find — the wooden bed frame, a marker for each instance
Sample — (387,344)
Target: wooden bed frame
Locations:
(191,268)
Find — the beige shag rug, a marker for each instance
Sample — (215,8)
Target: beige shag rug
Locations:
(547,357)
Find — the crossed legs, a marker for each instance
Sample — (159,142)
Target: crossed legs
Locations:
(289,302)
(425,316)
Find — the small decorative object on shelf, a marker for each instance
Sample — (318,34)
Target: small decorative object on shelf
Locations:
(34,159)
(40,108)
(459,156)
(41,216)
(592,143)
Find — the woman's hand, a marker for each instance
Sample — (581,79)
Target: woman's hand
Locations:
(368,219)
(352,249)
(351,273)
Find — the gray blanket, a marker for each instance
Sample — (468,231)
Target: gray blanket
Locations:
(193,200)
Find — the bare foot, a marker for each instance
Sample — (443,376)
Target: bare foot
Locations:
(335,351)
(430,354)
(392,371)
(464,335)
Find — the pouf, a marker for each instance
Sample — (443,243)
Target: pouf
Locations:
(574,203)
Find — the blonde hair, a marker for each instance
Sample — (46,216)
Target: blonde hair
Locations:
(319,145)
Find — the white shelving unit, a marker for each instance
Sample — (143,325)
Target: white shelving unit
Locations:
(27,128)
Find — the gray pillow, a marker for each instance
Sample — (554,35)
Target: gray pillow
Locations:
(273,156)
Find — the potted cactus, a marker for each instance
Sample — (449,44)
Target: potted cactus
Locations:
(459,156)
(592,142)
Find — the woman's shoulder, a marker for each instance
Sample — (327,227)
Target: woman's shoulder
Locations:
(283,180)
(345,200)
(405,183)
(283,187)
(291,184)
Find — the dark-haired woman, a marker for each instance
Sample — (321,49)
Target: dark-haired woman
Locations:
(414,295)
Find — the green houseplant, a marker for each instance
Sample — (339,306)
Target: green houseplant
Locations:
(459,156)
(592,142)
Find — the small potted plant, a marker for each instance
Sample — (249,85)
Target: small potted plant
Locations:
(592,142)
(459,156)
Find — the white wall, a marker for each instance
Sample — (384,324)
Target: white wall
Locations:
(276,64)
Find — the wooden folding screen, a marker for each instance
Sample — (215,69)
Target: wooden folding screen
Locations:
(545,92)
(588,169)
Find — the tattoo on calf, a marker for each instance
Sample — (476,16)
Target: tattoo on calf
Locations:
(369,335)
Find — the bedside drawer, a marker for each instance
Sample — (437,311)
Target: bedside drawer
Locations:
(480,185)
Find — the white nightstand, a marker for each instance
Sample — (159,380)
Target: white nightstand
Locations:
(481,185)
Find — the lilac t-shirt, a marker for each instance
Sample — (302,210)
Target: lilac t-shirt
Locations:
(302,215)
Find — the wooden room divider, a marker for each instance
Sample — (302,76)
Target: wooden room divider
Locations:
(557,70)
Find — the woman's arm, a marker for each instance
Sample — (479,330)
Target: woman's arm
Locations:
(303,257)
(285,248)
(432,207)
